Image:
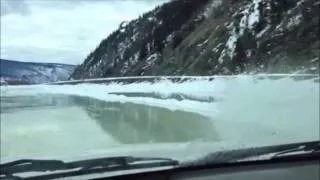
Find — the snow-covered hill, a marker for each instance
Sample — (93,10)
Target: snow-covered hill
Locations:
(210,37)
(15,72)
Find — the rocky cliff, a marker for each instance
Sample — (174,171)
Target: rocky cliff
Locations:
(207,37)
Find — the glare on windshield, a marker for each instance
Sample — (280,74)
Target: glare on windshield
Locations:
(167,78)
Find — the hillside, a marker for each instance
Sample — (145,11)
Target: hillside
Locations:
(208,37)
(15,72)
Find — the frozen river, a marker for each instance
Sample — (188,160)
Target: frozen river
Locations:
(49,120)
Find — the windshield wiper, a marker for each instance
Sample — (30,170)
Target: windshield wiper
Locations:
(310,150)
(304,150)
(8,170)
(279,153)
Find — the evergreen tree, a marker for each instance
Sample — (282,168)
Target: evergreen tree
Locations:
(143,51)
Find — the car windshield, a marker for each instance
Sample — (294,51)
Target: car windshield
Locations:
(156,78)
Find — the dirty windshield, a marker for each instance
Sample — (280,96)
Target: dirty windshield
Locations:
(166,78)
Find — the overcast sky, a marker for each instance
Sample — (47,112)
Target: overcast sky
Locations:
(62,31)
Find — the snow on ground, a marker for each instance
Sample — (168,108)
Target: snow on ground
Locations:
(210,8)
(250,17)
(250,110)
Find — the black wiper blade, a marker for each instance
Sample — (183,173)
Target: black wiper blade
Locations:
(31,165)
(83,166)
(308,150)
(277,153)
(304,150)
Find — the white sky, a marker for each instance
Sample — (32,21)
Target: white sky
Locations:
(62,31)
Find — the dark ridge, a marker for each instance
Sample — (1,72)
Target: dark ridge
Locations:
(192,37)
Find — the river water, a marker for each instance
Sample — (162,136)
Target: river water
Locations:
(44,120)
(62,123)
